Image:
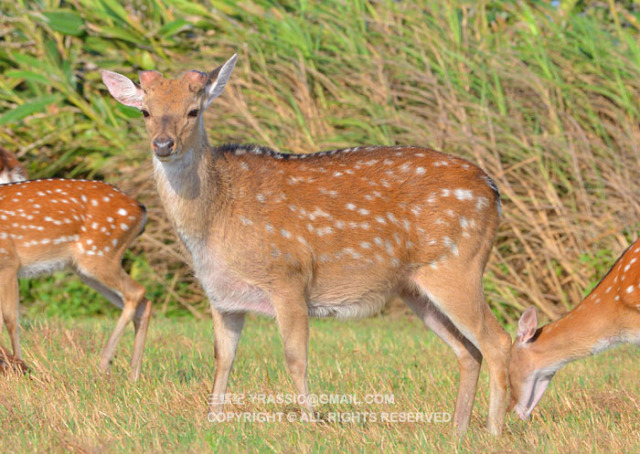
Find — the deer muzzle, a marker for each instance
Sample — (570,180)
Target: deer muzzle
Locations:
(163,146)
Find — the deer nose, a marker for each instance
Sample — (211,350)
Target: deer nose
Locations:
(163,146)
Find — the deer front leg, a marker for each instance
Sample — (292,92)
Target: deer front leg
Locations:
(292,315)
(227,328)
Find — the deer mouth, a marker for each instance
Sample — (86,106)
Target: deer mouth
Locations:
(163,156)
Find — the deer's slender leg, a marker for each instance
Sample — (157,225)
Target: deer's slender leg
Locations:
(469,357)
(118,287)
(292,316)
(465,307)
(227,328)
(9,298)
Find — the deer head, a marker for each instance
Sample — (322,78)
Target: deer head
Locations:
(172,109)
(528,377)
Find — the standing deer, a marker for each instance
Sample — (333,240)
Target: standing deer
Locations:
(47,225)
(334,233)
(608,316)
(11,170)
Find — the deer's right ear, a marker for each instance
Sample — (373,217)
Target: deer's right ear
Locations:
(218,78)
(123,89)
(527,325)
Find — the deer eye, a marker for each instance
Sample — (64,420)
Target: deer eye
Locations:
(145,113)
(193,113)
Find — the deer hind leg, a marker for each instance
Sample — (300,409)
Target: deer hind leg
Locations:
(464,305)
(9,297)
(469,357)
(141,326)
(227,328)
(118,287)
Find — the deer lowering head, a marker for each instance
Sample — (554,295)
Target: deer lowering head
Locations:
(333,233)
(48,225)
(608,316)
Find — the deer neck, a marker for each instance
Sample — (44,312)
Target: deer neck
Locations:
(191,189)
(579,333)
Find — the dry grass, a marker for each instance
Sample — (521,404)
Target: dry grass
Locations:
(67,406)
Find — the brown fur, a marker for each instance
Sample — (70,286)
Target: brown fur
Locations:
(329,234)
(608,316)
(11,170)
(51,224)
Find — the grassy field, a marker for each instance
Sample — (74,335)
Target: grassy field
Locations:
(67,405)
(544,98)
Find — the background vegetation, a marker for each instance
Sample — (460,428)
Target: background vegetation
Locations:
(543,96)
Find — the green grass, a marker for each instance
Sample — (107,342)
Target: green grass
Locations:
(67,405)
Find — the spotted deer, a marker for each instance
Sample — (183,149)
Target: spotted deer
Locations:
(11,170)
(334,233)
(607,317)
(48,225)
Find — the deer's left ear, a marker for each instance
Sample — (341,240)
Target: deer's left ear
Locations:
(123,89)
(218,79)
(527,325)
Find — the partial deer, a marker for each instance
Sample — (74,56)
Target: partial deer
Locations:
(607,317)
(334,233)
(47,225)
(11,170)
(8,362)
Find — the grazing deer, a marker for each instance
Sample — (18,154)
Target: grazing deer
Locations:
(11,170)
(608,316)
(333,233)
(47,225)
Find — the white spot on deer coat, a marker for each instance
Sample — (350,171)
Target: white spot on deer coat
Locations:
(463,194)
